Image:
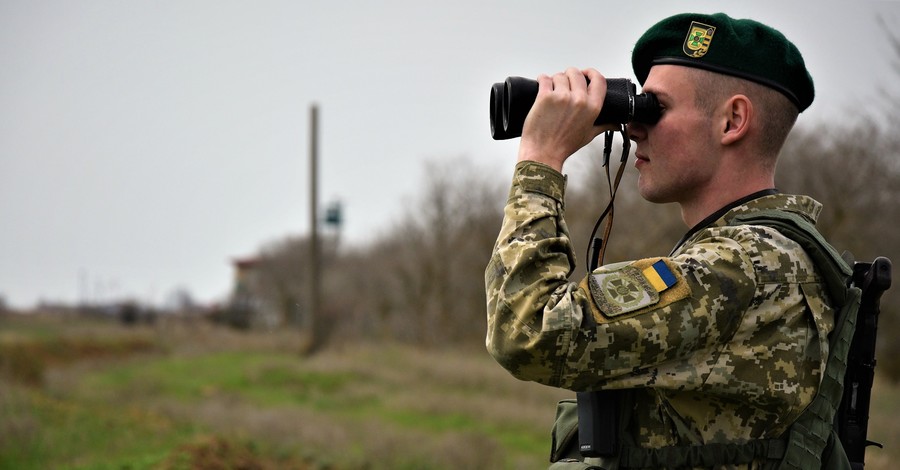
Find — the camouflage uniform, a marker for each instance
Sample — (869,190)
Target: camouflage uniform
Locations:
(730,346)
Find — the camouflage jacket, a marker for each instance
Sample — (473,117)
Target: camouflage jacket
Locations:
(722,341)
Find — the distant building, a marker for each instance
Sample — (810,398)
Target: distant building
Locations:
(247,306)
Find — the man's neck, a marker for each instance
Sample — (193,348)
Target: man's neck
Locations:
(722,211)
(692,212)
(734,180)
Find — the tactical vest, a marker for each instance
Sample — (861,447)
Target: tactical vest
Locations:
(811,442)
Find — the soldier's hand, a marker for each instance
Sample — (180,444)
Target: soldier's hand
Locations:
(562,118)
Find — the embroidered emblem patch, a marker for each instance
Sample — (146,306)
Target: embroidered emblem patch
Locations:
(696,44)
(621,291)
(633,287)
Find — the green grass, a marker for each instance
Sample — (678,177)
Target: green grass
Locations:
(210,398)
(70,434)
(96,404)
(261,379)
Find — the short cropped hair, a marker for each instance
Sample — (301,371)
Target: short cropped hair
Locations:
(775,113)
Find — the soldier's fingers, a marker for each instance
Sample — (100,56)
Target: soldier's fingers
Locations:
(597,88)
(545,84)
(576,80)
(560,82)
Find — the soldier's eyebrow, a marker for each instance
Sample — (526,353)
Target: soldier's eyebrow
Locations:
(662,95)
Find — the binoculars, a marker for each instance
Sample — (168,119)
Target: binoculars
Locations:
(511,100)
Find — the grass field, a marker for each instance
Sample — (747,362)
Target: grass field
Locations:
(95,395)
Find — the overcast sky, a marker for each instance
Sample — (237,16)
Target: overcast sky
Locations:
(144,144)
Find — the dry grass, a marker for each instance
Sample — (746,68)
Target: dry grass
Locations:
(360,406)
(884,426)
(202,397)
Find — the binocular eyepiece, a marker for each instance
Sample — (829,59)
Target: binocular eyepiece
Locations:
(511,100)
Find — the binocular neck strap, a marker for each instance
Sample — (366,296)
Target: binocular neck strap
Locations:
(597,249)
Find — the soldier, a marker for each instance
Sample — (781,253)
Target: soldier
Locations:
(725,339)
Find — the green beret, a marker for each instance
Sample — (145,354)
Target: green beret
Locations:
(742,48)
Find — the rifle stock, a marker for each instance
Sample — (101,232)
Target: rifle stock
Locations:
(853,415)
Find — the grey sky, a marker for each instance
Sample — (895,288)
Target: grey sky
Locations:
(143,144)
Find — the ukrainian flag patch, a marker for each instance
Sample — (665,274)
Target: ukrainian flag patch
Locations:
(623,290)
(659,276)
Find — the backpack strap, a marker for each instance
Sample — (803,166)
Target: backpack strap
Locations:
(813,431)
(833,268)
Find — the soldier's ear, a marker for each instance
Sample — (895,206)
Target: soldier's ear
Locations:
(735,119)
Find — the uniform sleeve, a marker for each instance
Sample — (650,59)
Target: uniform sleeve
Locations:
(640,323)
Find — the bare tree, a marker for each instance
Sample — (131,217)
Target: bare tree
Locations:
(276,288)
(429,287)
(421,281)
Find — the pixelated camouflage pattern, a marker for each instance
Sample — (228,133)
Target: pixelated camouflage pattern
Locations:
(738,356)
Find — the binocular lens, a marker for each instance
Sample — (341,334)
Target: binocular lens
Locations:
(498,123)
(511,100)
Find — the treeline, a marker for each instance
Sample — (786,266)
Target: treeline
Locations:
(421,281)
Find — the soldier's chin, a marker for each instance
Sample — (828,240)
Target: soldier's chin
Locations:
(651,194)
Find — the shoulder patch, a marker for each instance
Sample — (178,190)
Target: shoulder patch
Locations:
(629,288)
(622,290)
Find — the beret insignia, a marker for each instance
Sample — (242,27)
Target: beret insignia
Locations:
(698,38)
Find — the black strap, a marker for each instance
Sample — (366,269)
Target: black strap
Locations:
(598,423)
(597,248)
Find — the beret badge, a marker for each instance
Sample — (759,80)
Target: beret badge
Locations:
(698,38)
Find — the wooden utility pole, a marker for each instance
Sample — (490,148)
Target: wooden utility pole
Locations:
(314,261)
